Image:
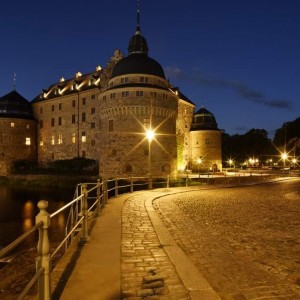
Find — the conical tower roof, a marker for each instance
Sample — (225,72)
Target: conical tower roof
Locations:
(204,120)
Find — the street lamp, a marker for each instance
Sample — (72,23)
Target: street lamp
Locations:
(284,157)
(150,134)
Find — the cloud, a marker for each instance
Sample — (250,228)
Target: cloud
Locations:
(238,87)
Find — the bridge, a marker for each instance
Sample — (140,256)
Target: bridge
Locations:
(90,264)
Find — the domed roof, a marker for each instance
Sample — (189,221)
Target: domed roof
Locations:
(13,105)
(204,120)
(137,61)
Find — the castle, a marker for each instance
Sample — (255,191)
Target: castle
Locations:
(126,116)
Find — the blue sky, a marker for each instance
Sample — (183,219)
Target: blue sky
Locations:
(238,58)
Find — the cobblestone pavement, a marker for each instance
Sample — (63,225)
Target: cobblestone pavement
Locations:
(147,272)
(244,240)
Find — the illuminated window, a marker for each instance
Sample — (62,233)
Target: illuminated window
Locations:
(83,137)
(60,139)
(52,140)
(27,126)
(41,143)
(73,138)
(12,124)
(27,141)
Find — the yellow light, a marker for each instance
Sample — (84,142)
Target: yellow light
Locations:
(199,160)
(284,156)
(150,135)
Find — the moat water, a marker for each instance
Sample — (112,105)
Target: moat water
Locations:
(18,208)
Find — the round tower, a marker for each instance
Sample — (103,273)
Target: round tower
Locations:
(138,116)
(205,142)
(17,131)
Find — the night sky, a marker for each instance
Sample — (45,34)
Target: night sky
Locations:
(240,59)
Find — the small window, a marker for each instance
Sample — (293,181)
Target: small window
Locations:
(83,154)
(60,139)
(73,103)
(112,95)
(93,143)
(73,138)
(12,124)
(139,93)
(93,125)
(53,107)
(28,141)
(83,101)
(93,96)
(104,97)
(27,126)
(83,137)
(41,110)
(93,110)
(60,106)
(125,94)
(111,125)
(59,121)
(41,143)
(73,119)
(52,140)
(83,117)
(52,122)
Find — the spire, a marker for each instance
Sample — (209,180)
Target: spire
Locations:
(138,43)
(138,27)
(15,79)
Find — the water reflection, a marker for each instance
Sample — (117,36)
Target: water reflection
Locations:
(28,216)
(18,208)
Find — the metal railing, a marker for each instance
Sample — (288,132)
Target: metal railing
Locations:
(89,199)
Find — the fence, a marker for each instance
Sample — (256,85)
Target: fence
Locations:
(89,199)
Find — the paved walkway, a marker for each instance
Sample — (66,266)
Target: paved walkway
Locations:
(146,263)
(132,255)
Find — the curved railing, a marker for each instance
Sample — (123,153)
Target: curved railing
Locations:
(89,199)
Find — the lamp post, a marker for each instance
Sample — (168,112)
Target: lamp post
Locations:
(150,136)
(284,157)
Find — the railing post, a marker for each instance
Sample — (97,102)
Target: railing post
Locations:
(187,179)
(116,187)
(43,247)
(168,181)
(131,184)
(98,209)
(84,236)
(105,193)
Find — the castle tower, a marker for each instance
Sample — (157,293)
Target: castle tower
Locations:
(138,100)
(17,131)
(205,142)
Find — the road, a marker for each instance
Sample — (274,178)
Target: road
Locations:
(244,240)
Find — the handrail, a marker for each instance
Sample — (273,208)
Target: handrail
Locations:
(19,240)
(78,216)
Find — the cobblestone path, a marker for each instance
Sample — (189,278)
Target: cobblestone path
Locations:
(147,272)
(244,240)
